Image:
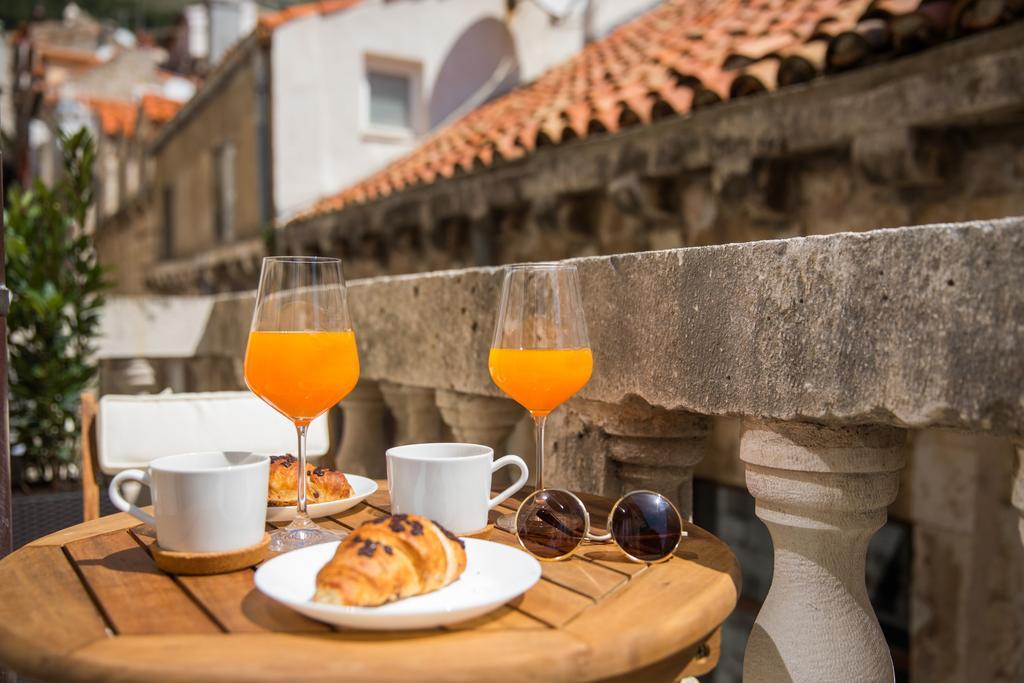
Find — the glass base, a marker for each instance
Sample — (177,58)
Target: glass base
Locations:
(301,533)
(506,522)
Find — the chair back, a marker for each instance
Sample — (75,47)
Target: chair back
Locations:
(133,430)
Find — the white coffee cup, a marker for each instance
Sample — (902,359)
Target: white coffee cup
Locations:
(203,502)
(449,483)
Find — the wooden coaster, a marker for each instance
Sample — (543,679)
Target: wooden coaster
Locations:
(180,562)
(480,532)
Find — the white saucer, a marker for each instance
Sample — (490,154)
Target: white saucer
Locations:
(362,488)
(494,575)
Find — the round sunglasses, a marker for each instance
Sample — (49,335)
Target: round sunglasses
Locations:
(551,524)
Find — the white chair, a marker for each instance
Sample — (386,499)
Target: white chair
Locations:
(130,431)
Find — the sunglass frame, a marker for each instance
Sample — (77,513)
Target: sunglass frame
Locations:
(589,537)
(671,505)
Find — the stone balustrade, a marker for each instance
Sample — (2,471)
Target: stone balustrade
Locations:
(831,349)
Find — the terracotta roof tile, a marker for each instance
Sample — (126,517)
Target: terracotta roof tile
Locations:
(116,117)
(680,56)
(159,109)
(71,56)
(269,22)
(119,118)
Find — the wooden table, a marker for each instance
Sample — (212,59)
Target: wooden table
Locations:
(87,604)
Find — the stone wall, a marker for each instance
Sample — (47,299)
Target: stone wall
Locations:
(822,192)
(130,242)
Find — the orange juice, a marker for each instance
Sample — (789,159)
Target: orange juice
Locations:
(540,379)
(301,374)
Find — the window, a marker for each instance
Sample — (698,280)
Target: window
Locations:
(131,174)
(167,237)
(224,192)
(389,100)
(391,109)
(110,181)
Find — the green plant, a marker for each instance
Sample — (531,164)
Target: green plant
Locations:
(268,232)
(57,287)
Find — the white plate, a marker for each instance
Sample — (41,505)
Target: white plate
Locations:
(362,488)
(494,575)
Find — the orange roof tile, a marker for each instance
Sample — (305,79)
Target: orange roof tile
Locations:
(117,117)
(67,55)
(268,22)
(159,109)
(680,56)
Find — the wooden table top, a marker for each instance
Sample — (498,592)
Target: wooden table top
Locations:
(88,604)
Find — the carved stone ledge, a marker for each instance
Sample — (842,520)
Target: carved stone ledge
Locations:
(899,157)
(822,492)
(363,440)
(651,448)
(417,418)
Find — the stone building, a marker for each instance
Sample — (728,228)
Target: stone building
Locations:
(44,55)
(700,124)
(78,73)
(321,94)
(812,121)
(126,227)
(211,199)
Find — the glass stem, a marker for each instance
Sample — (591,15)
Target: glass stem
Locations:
(300,513)
(538,428)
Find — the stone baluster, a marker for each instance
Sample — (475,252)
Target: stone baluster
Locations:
(822,492)
(363,440)
(140,376)
(651,448)
(417,418)
(479,419)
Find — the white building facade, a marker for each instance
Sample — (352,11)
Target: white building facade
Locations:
(354,89)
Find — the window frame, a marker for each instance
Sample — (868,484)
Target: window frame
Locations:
(390,66)
(168,221)
(225,192)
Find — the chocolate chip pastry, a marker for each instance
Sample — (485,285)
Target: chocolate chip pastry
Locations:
(322,484)
(389,559)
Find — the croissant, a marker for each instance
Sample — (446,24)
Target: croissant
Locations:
(389,559)
(322,484)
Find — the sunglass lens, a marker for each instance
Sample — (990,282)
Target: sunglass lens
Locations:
(551,523)
(646,526)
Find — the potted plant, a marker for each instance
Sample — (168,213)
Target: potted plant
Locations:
(57,287)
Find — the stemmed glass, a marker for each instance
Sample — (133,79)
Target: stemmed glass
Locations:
(540,356)
(301,359)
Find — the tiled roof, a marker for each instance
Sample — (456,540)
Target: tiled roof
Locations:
(117,117)
(268,22)
(159,109)
(681,56)
(67,55)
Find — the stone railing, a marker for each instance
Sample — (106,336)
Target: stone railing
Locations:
(830,349)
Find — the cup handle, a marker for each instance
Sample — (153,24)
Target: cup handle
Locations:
(524,474)
(119,501)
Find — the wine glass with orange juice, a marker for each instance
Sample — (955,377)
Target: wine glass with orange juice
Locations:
(301,359)
(541,355)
